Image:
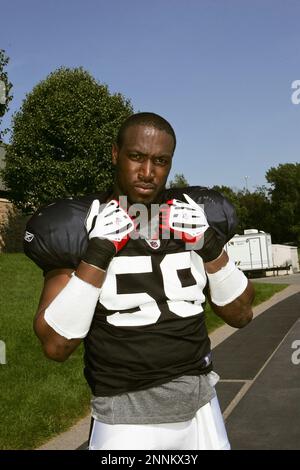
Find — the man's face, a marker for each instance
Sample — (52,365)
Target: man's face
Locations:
(143,163)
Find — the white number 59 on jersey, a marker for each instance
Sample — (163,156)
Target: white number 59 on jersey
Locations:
(182,301)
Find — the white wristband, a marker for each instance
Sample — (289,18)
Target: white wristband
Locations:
(226,284)
(70,314)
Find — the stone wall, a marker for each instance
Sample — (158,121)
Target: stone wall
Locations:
(12,226)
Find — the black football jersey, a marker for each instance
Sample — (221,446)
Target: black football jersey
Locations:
(148,327)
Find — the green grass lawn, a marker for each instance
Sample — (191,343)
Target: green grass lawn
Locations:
(40,398)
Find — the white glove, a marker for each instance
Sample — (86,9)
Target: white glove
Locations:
(186,219)
(110,222)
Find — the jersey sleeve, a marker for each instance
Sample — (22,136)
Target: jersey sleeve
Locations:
(220,213)
(55,235)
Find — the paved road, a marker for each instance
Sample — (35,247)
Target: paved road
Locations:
(259,391)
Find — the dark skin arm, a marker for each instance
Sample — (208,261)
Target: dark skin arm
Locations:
(55,346)
(239,312)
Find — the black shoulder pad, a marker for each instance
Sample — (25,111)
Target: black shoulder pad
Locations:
(55,235)
(220,213)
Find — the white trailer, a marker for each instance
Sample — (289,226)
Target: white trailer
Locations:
(251,251)
(285,255)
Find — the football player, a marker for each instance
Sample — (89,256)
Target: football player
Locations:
(136,300)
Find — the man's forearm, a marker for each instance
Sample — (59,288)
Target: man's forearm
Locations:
(238,312)
(55,345)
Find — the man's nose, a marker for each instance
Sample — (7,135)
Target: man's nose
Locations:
(147,169)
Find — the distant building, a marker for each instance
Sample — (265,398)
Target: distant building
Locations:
(3,189)
(12,222)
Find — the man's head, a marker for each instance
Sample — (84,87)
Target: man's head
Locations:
(143,155)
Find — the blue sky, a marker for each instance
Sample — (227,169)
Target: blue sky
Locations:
(219,70)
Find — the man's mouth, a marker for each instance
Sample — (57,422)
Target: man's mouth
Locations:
(143,188)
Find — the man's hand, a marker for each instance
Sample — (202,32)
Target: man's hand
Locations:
(108,231)
(231,294)
(187,220)
(111,223)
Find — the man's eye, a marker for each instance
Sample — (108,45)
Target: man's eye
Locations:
(161,161)
(135,156)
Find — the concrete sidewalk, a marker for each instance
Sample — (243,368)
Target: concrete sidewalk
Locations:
(230,390)
(283,279)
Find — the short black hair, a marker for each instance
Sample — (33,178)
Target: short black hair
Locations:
(145,119)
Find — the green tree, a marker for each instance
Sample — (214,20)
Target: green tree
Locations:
(256,210)
(285,197)
(179,181)
(61,139)
(253,209)
(234,197)
(5,90)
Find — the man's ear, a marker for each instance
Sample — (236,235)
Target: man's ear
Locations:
(115,154)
